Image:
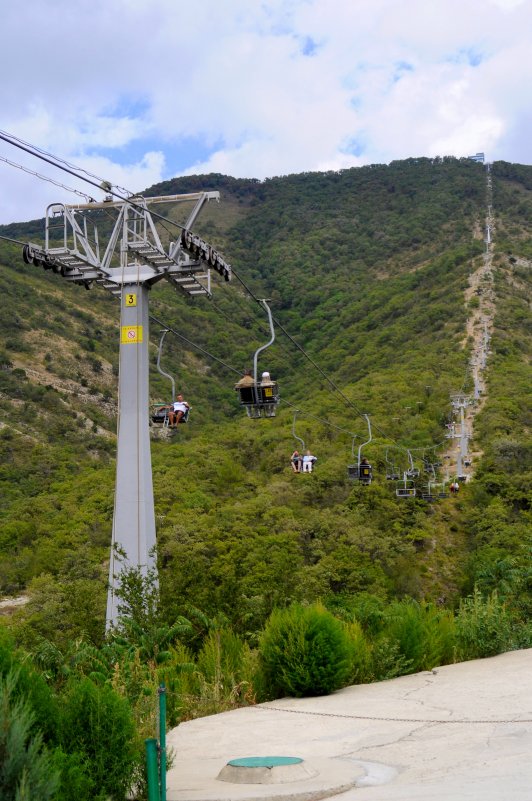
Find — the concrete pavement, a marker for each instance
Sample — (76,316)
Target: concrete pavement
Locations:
(458,733)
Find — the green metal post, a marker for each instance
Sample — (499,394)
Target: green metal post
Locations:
(151,769)
(162,741)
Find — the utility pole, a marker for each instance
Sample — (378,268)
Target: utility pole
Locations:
(133,261)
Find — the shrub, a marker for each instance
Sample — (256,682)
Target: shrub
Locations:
(361,658)
(423,633)
(31,688)
(76,784)
(224,671)
(25,768)
(305,651)
(98,725)
(484,626)
(387,661)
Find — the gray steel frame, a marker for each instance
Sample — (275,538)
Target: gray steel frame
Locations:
(142,262)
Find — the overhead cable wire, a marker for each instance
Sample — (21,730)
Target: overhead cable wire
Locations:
(59,159)
(45,178)
(10,239)
(320,419)
(243,325)
(60,164)
(193,344)
(238,372)
(49,160)
(297,345)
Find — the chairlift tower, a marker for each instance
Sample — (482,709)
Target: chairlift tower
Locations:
(459,403)
(133,261)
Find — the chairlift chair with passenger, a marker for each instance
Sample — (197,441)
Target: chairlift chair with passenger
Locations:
(362,471)
(160,411)
(305,457)
(260,398)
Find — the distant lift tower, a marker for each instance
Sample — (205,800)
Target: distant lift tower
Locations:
(459,403)
(133,260)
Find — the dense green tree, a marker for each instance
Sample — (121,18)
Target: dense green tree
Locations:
(305,651)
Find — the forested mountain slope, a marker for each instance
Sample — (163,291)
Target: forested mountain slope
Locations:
(367,270)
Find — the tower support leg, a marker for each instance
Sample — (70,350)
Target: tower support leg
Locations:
(134,514)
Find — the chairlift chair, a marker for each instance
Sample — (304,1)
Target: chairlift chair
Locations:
(405,489)
(260,398)
(160,412)
(430,468)
(392,474)
(412,471)
(303,451)
(362,471)
(429,495)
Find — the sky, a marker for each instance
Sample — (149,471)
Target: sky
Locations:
(140,91)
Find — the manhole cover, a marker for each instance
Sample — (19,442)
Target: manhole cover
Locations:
(266,770)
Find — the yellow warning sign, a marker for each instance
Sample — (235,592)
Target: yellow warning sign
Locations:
(130,299)
(131,334)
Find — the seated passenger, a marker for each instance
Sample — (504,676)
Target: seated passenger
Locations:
(247,380)
(296,460)
(179,409)
(308,462)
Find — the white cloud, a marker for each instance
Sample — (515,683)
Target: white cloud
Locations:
(508,4)
(283,86)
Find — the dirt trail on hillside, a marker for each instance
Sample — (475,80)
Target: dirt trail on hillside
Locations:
(459,459)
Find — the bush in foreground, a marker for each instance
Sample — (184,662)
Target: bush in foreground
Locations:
(305,651)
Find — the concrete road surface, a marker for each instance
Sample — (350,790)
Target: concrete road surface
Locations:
(458,733)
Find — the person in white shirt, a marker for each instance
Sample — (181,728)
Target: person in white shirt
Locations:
(179,409)
(308,462)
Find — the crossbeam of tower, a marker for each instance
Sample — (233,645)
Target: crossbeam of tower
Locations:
(127,262)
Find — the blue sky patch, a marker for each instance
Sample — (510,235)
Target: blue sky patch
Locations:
(127,106)
(354,146)
(399,69)
(467,55)
(308,46)
(179,154)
